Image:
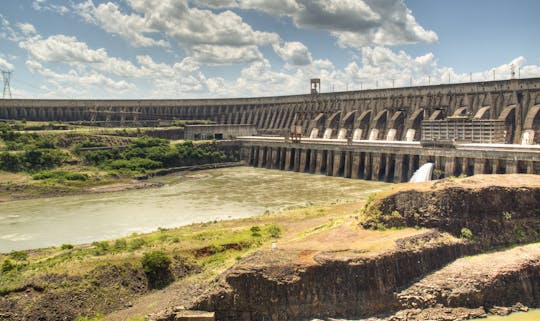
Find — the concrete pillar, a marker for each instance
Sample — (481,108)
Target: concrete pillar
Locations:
(262,155)
(314,154)
(355,166)
(269,158)
(479,166)
(275,158)
(368,168)
(303,160)
(319,162)
(329,163)
(412,167)
(449,166)
(247,153)
(511,167)
(389,162)
(465,166)
(348,165)
(496,166)
(398,168)
(287,159)
(297,160)
(255,156)
(337,163)
(375,166)
(530,167)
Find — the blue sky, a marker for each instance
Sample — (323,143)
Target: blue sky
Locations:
(245,48)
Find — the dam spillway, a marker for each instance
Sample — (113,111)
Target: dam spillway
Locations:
(383,134)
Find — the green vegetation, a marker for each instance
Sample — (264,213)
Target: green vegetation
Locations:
(156,266)
(466,233)
(66,247)
(60,176)
(148,153)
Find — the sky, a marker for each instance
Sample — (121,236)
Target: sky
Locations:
(142,49)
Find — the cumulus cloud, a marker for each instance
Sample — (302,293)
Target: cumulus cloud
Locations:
(62,48)
(5,65)
(27,29)
(132,27)
(224,55)
(44,5)
(295,53)
(355,23)
(84,80)
(200,32)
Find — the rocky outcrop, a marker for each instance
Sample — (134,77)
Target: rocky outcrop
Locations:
(496,279)
(497,209)
(268,286)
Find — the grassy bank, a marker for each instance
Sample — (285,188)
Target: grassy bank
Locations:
(70,161)
(95,279)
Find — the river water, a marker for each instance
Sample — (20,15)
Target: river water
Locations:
(532,315)
(186,198)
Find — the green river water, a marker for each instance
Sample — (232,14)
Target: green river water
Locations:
(532,315)
(186,198)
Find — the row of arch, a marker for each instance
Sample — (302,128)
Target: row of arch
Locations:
(400,125)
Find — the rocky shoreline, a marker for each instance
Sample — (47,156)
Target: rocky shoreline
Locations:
(412,279)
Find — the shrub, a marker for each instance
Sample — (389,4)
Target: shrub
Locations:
(466,233)
(136,244)
(18,255)
(120,244)
(66,247)
(255,231)
(8,266)
(10,162)
(274,231)
(101,247)
(156,267)
(60,175)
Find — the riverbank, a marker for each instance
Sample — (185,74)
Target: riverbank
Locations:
(310,262)
(21,186)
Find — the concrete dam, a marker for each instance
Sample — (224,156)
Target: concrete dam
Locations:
(383,134)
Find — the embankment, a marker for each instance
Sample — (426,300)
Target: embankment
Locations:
(498,210)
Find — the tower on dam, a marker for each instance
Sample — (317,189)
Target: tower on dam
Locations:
(384,134)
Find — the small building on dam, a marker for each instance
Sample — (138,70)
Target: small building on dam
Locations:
(383,134)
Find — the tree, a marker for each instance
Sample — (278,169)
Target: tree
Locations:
(156,267)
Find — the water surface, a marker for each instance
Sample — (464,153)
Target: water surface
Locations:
(186,198)
(532,315)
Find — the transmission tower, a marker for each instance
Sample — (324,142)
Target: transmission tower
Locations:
(6,76)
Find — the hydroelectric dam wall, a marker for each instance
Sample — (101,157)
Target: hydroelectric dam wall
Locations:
(384,134)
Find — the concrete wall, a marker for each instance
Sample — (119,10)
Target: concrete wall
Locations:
(391,162)
(196,132)
(399,109)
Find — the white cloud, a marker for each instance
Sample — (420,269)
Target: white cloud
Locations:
(224,55)
(294,52)
(355,23)
(42,5)
(200,32)
(27,28)
(7,32)
(62,49)
(216,4)
(5,65)
(131,27)
(74,78)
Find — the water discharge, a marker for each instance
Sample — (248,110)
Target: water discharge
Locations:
(185,199)
(423,174)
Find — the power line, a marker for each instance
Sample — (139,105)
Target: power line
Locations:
(6,77)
